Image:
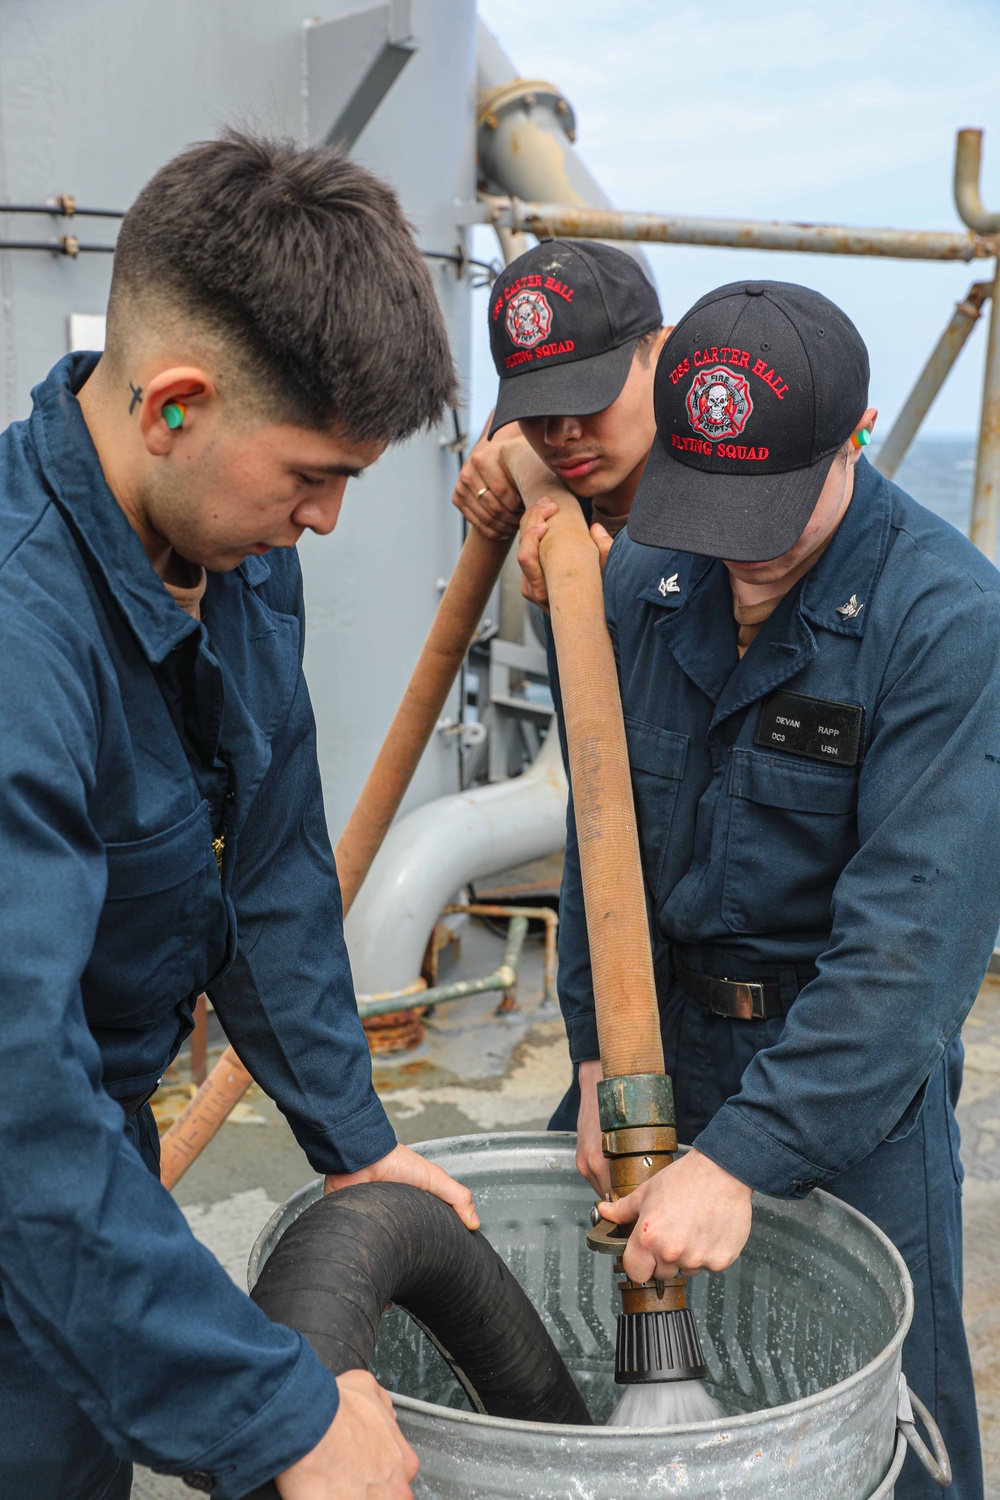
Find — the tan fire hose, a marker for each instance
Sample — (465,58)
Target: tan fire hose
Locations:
(613,888)
(447,644)
(446,647)
(635,1099)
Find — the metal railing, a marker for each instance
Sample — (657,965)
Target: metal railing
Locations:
(503,979)
(982,242)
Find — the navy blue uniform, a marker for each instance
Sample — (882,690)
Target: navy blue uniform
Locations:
(864,882)
(133,736)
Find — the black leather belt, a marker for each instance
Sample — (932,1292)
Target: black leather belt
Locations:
(737,999)
(132,1106)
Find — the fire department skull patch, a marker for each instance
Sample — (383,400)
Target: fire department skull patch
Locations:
(529,319)
(719,403)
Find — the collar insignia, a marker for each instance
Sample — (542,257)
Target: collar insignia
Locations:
(669,585)
(851,609)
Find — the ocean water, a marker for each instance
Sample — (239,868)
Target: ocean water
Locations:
(939,472)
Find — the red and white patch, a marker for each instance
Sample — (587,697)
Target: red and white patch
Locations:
(529,319)
(719,403)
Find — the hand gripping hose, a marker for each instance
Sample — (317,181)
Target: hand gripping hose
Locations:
(337,1266)
(657,1336)
(447,644)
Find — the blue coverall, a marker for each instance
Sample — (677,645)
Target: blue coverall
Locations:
(132,736)
(875,887)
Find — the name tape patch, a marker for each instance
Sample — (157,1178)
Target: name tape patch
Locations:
(816,727)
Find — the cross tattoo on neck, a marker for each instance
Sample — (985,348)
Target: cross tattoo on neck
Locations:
(136,397)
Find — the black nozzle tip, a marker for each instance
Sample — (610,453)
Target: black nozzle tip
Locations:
(656,1346)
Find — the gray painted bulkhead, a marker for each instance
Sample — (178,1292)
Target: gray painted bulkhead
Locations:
(94,96)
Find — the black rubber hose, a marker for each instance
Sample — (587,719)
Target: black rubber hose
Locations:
(337,1266)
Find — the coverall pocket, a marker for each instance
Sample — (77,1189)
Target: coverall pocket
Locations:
(162,932)
(792,829)
(657,758)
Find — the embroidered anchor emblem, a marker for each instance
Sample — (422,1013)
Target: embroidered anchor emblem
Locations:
(851,609)
(669,585)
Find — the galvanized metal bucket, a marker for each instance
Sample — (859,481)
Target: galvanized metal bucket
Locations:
(803,1337)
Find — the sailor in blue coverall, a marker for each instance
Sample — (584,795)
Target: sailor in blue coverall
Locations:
(859,886)
(131,736)
(161,818)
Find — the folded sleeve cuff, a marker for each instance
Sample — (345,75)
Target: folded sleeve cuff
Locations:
(581,1030)
(284,1430)
(741,1147)
(350,1144)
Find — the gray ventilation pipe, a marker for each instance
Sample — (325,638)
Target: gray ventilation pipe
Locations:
(435,850)
(526,130)
(525,134)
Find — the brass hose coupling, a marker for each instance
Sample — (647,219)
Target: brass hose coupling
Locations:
(657,1335)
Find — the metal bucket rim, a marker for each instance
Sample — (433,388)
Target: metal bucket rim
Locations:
(745,1419)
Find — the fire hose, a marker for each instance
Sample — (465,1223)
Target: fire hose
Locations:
(447,644)
(344,1260)
(657,1336)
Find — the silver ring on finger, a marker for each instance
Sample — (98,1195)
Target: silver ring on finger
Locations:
(482,492)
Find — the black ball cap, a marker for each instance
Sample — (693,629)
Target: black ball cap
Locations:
(756,389)
(564,321)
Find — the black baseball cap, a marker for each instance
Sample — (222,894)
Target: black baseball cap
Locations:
(565,318)
(756,389)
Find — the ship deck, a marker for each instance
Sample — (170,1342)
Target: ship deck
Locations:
(479,1071)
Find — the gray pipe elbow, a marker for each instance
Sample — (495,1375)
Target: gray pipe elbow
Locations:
(968,170)
(525,134)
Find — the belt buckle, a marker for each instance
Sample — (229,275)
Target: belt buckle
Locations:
(747,1001)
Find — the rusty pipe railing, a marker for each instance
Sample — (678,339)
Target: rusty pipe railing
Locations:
(986,492)
(968,170)
(512,215)
(931,378)
(563,221)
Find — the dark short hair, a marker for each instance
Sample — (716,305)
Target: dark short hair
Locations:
(302,264)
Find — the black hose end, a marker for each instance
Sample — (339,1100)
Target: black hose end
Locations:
(657,1346)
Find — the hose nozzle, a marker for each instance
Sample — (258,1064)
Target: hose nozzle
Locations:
(657,1335)
(658,1345)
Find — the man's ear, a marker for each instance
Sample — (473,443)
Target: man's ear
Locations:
(866,424)
(659,341)
(182,386)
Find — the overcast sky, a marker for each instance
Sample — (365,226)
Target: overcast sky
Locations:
(786,109)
